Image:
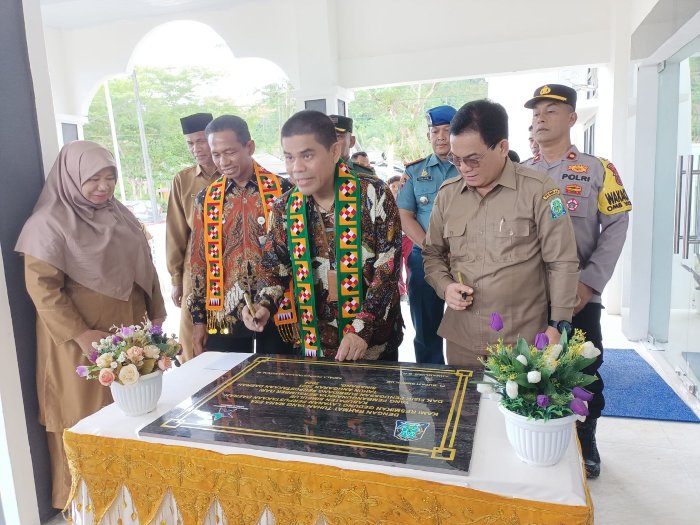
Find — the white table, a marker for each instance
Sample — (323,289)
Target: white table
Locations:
(494,467)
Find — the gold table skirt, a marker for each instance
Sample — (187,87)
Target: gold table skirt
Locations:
(294,492)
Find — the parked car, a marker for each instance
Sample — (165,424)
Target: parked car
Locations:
(143,210)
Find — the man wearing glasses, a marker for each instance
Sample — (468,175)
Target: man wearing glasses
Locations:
(421,182)
(499,240)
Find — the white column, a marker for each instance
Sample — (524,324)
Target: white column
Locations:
(317,45)
(614,80)
(637,261)
(19,503)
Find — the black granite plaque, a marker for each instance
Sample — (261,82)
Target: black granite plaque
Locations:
(416,416)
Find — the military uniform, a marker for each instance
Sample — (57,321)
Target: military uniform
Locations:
(420,186)
(513,247)
(598,204)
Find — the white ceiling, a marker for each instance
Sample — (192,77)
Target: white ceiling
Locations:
(71,14)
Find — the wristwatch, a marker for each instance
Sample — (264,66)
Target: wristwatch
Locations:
(562,326)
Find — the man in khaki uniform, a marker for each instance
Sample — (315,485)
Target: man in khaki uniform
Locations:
(186,185)
(505,229)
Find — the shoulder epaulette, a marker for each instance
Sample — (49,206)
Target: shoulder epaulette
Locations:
(406,165)
(451,180)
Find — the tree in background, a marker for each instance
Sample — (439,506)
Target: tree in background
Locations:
(166,95)
(395,116)
(386,119)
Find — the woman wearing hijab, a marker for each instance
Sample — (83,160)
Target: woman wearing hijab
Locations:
(87,267)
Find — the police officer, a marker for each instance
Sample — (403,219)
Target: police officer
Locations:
(499,240)
(343,130)
(421,182)
(599,207)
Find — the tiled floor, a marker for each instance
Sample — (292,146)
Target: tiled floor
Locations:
(650,469)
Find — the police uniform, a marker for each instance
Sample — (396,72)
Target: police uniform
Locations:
(599,207)
(420,185)
(513,247)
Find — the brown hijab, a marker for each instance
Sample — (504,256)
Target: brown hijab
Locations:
(100,246)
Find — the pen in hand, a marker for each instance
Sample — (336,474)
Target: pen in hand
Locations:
(461,281)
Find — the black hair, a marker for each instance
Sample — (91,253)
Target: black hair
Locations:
(530,128)
(310,122)
(513,155)
(358,154)
(229,123)
(488,119)
(392,180)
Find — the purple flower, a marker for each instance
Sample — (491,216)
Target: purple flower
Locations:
(155,330)
(542,400)
(582,394)
(116,339)
(82,371)
(541,340)
(127,331)
(578,407)
(496,322)
(93,356)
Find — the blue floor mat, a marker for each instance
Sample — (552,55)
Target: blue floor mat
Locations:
(634,389)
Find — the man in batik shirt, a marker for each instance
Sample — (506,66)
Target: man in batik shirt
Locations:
(337,237)
(228,235)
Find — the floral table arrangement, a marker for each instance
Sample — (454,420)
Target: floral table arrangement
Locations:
(131,362)
(542,390)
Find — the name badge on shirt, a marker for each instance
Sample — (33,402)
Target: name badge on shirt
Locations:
(424,177)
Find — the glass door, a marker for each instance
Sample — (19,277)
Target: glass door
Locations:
(683,348)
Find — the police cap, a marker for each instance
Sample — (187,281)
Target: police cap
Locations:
(341,123)
(557,92)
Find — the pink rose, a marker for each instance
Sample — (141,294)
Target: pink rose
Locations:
(106,377)
(164,363)
(135,354)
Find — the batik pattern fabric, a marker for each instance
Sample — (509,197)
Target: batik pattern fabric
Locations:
(379,320)
(242,237)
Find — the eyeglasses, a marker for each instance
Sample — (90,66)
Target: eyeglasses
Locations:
(470,162)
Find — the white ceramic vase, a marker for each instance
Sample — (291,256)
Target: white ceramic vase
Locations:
(537,442)
(141,397)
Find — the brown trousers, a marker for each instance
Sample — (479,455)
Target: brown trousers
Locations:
(60,474)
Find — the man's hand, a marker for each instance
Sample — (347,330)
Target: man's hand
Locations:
(584,293)
(199,338)
(176,295)
(257,323)
(351,348)
(158,322)
(459,296)
(553,335)
(88,337)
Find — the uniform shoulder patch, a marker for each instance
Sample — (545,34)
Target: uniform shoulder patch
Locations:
(451,180)
(613,197)
(556,208)
(407,164)
(551,193)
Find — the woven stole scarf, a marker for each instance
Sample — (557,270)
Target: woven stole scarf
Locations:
(348,255)
(270,188)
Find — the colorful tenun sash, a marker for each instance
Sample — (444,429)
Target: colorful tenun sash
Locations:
(217,320)
(348,256)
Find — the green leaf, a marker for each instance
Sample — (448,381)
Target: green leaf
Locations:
(523,348)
